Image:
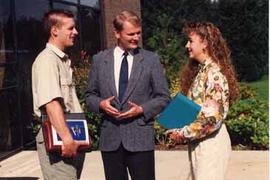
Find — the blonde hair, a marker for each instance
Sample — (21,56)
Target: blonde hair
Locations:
(126,16)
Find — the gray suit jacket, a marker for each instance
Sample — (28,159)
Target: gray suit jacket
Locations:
(147,87)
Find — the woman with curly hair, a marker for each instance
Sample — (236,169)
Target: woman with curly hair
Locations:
(209,80)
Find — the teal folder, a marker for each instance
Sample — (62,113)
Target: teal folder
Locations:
(180,112)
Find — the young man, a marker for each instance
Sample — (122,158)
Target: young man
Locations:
(127,84)
(54,94)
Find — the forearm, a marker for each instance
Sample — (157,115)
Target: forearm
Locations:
(215,106)
(198,130)
(160,93)
(154,106)
(92,93)
(57,119)
(93,102)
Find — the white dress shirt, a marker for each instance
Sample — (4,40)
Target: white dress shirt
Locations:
(118,57)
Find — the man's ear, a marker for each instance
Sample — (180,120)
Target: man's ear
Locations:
(116,34)
(54,31)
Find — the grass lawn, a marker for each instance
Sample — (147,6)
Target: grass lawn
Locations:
(261,87)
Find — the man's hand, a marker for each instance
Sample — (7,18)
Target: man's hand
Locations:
(56,117)
(106,106)
(69,147)
(134,111)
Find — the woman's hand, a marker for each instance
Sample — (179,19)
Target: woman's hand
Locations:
(176,136)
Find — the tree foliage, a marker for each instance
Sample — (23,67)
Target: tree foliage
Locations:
(243,23)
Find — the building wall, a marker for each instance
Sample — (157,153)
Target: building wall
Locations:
(112,7)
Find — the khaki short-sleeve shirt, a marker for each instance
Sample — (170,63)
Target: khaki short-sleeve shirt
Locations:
(51,79)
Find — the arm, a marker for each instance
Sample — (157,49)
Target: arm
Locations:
(47,92)
(214,109)
(92,94)
(56,116)
(160,96)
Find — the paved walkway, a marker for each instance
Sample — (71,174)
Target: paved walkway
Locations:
(170,165)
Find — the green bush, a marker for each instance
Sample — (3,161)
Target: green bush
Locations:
(168,45)
(246,91)
(160,138)
(93,120)
(247,120)
(247,124)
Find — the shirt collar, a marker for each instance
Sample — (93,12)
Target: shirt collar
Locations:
(57,51)
(205,63)
(120,51)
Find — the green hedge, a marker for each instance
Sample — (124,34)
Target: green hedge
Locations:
(247,123)
(248,120)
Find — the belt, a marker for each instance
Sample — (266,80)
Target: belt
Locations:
(212,135)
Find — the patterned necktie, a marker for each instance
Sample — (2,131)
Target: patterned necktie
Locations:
(123,79)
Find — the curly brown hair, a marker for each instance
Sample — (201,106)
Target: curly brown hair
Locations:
(219,52)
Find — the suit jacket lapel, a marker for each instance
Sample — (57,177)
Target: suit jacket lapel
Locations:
(109,71)
(134,76)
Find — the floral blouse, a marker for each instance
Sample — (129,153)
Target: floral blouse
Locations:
(210,90)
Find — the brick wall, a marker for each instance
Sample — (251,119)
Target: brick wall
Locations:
(109,9)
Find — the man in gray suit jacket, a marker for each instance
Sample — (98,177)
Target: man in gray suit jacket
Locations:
(127,85)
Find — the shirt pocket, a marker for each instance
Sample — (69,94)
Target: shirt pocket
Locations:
(66,86)
(65,81)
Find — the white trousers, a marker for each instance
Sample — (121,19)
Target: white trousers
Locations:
(209,158)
